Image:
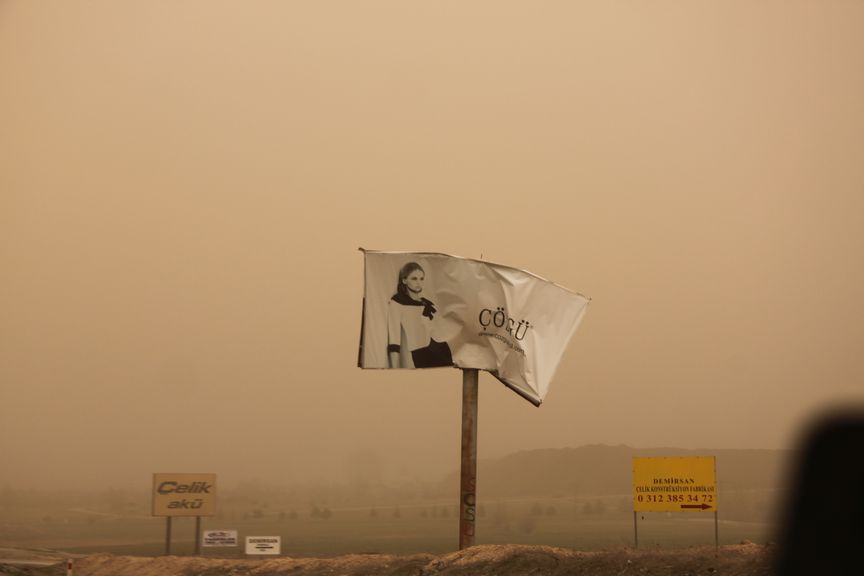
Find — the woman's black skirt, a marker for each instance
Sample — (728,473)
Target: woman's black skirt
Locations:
(435,354)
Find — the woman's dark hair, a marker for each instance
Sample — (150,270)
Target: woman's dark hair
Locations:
(403,273)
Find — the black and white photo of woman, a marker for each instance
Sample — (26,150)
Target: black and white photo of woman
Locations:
(411,321)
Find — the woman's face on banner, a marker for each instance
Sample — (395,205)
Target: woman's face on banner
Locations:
(414,281)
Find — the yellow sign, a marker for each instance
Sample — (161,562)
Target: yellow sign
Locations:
(184,494)
(674,484)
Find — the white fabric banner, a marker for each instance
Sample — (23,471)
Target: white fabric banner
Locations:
(425,310)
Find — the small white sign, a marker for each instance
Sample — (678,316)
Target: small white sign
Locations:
(264,545)
(216,538)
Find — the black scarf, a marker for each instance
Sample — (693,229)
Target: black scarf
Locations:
(428,308)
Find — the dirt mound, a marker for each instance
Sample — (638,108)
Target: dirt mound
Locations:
(740,560)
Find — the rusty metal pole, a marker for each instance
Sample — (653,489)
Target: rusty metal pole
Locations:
(468,483)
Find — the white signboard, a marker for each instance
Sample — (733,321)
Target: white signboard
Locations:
(217,538)
(263,545)
(425,310)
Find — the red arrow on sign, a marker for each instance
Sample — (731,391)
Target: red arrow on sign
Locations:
(702,506)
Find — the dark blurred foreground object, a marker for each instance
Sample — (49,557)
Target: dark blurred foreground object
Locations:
(822,530)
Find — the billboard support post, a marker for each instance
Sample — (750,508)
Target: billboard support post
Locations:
(468,476)
(198,535)
(168,535)
(184,495)
(716,534)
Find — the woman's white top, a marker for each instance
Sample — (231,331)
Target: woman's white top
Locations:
(408,327)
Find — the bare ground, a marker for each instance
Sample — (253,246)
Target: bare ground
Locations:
(739,560)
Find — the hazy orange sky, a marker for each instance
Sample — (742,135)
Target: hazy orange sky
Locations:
(184,186)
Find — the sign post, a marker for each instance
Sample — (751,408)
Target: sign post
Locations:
(197,535)
(468,476)
(447,311)
(674,484)
(168,535)
(184,495)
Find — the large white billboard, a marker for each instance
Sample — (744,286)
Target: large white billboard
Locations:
(426,310)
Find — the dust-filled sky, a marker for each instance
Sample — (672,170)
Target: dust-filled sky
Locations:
(184,187)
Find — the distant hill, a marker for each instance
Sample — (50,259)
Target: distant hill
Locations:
(600,470)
